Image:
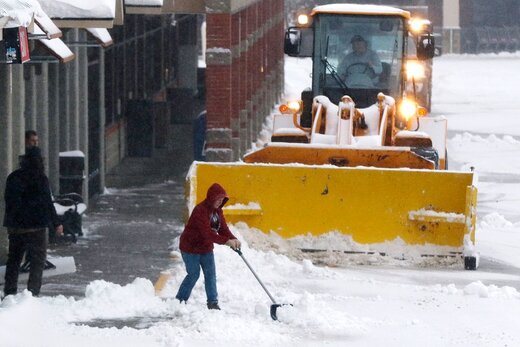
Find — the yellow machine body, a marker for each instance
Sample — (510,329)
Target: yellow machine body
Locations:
(371,205)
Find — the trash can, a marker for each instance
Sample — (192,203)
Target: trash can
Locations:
(199,137)
(72,166)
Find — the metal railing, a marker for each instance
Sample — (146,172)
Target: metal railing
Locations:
(490,39)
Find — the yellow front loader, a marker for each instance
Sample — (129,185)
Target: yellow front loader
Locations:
(374,171)
(380,197)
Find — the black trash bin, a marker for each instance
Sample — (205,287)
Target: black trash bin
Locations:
(199,137)
(72,166)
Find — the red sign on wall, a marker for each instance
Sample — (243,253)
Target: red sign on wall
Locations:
(24,44)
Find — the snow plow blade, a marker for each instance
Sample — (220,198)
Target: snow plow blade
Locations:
(370,205)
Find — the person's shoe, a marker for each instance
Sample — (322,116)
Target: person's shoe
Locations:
(213,306)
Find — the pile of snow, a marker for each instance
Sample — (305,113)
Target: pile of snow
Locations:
(328,305)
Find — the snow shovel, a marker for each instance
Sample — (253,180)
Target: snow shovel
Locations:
(274,306)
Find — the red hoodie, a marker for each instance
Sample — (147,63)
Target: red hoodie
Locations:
(198,237)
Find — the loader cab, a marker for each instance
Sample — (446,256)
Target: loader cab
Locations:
(330,41)
(339,69)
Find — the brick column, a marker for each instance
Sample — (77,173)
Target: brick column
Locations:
(251,73)
(218,80)
(243,57)
(244,80)
(235,85)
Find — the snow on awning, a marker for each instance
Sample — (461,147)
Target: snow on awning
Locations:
(184,6)
(16,13)
(47,26)
(55,47)
(102,36)
(143,6)
(81,13)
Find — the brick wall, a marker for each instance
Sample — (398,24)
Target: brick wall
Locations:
(244,55)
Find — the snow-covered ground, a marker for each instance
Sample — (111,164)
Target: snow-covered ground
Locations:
(362,302)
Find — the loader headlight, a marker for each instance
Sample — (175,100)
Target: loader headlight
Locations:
(415,70)
(418,25)
(291,107)
(408,109)
(295,106)
(303,19)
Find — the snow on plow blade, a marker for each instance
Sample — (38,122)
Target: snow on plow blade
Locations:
(371,205)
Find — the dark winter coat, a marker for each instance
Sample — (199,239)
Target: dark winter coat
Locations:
(28,202)
(198,236)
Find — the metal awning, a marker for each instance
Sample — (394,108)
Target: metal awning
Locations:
(184,6)
(119,18)
(81,13)
(55,47)
(102,36)
(143,6)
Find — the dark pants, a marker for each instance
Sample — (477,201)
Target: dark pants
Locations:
(35,243)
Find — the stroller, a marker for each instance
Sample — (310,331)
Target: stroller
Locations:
(69,208)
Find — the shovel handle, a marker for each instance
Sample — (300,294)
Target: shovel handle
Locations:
(256,276)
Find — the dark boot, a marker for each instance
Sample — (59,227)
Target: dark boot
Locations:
(213,306)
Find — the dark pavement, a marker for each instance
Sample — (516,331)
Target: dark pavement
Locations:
(130,228)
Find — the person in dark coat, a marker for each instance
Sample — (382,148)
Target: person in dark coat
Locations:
(205,227)
(31,139)
(28,212)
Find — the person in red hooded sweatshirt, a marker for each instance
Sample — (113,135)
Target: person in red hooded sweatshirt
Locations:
(205,227)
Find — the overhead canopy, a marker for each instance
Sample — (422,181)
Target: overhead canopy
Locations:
(81,13)
(55,47)
(102,36)
(184,6)
(143,6)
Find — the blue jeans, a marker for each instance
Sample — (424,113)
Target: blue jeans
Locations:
(193,263)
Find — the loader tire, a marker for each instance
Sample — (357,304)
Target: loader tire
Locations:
(428,153)
(470,263)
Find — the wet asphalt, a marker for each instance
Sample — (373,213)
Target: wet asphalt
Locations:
(130,228)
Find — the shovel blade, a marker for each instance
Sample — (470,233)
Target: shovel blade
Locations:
(274,307)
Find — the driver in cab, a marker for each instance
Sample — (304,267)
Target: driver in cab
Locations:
(361,67)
